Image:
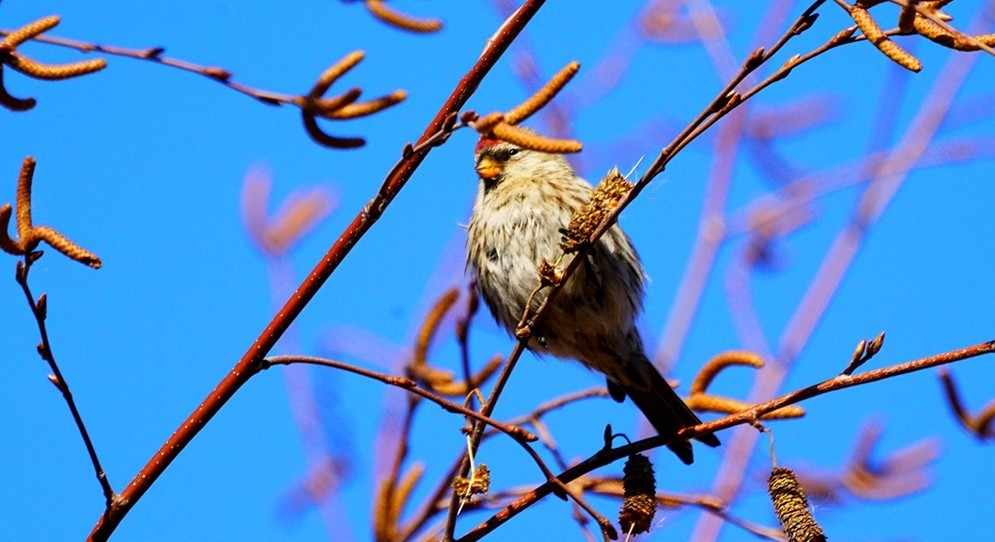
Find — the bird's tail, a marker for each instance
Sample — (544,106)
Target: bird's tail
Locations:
(661,405)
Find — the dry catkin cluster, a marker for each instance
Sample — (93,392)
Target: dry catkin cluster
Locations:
(639,500)
(792,507)
(30,235)
(604,198)
(10,56)
(504,126)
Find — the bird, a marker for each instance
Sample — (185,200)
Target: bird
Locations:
(525,199)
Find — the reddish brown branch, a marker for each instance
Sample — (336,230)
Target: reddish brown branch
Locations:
(607,456)
(363,221)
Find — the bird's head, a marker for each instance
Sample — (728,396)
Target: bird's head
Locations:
(493,158)
(498,162)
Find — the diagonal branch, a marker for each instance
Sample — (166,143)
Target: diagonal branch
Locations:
(364,220)
(606,456)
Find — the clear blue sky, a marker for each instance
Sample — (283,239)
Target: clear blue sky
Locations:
(144,165)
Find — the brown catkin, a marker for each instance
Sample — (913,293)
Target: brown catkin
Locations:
(328,140)
(38,70)
(23,208)
(7,244)
(792,507)
(942,36)
(14,103)
(382,11)
(703,402)
(639,495)
(353,110)
(323,106)
(29,31)
(543,96)
(604,198)
(720,362)
(531,140)
(875,35)
(61,243)
(335,71)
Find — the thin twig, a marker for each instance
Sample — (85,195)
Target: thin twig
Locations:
(45,350)
(560,402)
(406,384)
(155,54)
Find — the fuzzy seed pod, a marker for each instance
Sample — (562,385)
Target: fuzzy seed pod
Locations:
(603,200)
(792,507)
(639,501)
(479,482)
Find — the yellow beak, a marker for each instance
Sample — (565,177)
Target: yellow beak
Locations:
(488,168)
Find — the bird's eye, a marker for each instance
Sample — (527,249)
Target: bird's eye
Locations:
(512,152)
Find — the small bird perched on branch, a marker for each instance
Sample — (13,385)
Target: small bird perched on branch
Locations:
(525,199)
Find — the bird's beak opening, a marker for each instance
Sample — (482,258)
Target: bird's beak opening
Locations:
(488,168)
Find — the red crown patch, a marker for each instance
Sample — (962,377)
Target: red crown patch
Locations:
(484,143)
